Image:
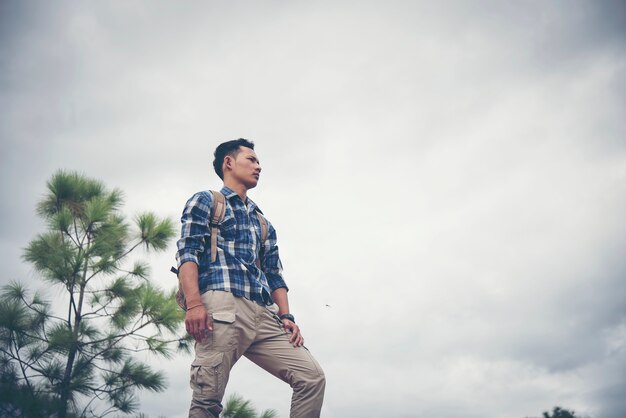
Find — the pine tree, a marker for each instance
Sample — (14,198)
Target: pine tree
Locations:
(559,412)
(237,407)
(79,362)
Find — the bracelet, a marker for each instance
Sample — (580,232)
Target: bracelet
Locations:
(194,306)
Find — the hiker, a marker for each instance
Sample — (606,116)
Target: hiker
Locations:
(230,276)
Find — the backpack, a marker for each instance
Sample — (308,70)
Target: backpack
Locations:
(218,211)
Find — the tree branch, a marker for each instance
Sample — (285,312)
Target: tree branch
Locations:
(33,308)
(96,272)
(21,362)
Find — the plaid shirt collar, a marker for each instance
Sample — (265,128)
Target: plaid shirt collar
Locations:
(229,194)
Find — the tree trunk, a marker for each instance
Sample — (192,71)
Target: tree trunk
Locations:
(67,377)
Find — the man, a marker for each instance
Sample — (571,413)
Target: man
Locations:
(231,302)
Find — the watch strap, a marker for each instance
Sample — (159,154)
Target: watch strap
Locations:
(289,317)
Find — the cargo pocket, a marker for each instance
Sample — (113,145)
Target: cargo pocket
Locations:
(223,335)
(207,376)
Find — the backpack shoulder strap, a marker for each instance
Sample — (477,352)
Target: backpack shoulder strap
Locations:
(264,231)
(218,210)
(264,227)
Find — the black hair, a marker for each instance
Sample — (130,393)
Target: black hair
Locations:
(228,148)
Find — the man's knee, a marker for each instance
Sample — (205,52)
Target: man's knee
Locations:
(313,382)
(308,396)
(319,383)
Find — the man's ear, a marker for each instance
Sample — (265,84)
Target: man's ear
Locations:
(228,161)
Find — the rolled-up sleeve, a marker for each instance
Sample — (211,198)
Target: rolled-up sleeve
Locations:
(272,267)
(195,230)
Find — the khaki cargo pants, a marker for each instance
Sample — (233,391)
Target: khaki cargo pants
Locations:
(242,327)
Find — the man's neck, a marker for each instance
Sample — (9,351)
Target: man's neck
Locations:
(238,188)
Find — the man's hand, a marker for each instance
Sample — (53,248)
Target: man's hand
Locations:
(296,337)
(198,322)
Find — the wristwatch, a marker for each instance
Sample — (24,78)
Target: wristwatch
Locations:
(289,317)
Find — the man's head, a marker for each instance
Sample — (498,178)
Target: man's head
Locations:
(237,160)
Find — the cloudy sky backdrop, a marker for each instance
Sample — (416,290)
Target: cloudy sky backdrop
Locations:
(448,176)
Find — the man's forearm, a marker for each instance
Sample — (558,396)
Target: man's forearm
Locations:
(188,275)
(197,320)
(280,298)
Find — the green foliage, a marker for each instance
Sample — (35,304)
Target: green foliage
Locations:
(237,407)
(140,270)
(55,258)
(559,412)
(79,362)
(19,401)
(61,338)
(154,232)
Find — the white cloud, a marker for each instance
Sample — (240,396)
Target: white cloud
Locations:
(448,179)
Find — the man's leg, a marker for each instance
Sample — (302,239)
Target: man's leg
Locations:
(209,375)
(272,351)
(218,352)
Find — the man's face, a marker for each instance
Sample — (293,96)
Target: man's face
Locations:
(244,167)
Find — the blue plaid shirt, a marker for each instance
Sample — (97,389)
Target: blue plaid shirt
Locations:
(238,246)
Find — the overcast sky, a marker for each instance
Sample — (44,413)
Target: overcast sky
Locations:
(450,177)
